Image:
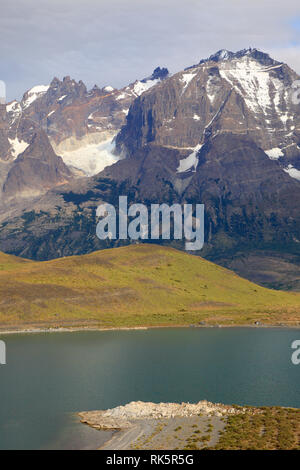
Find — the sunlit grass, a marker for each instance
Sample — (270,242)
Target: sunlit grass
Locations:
(140,285)
(262,429)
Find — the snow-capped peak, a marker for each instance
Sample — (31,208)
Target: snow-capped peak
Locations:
(225,55)
(157,76)
(34,93)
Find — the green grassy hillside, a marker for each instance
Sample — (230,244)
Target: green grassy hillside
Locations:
(139,285)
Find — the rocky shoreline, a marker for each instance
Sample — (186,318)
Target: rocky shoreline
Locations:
(203,425)
(129,328)
(123,417)
(141,424)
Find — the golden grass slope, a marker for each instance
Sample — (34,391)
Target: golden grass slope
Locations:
(137,285)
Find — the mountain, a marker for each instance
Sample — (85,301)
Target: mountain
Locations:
(140,285)
(4,142)
(35,170)
(76,120)
(246,93)
(223,132)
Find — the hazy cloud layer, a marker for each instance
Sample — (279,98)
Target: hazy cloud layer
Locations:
(116,41)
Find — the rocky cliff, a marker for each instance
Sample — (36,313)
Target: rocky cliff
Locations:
(35,170)
(223,132)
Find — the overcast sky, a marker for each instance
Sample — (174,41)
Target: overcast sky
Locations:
(114,42)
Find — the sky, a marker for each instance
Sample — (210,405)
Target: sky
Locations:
(115,42)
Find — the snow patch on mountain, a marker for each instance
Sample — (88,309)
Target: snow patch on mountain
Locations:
(189,163)
(254,83)
(186,78)
(141,87)
(17,146)
(15,110)
(293,172)
(11,107)
(122,96)
(92,158)
(33,94)
(274,153)
(62,98)
(224,54)
(211,89)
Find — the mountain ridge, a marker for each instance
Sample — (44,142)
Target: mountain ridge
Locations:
(224,133)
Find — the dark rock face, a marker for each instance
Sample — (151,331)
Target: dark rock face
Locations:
(224,133)
(246,196)
(223,54)
(246,93)
(36,170)
(158,74)
(4,142)
(248,199)
(237,108)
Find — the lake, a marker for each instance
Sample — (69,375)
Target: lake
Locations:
(49,376)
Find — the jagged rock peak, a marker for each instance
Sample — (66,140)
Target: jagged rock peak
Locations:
(56,81)
(158,74)
(260,56)
(66,82)
(39,146)
(225,55)
(222,54)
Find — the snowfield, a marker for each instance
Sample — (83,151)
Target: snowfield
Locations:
(190,162)
(91,158)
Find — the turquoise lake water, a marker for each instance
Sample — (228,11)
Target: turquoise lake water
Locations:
(50,376)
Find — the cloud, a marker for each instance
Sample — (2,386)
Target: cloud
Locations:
(114,42)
